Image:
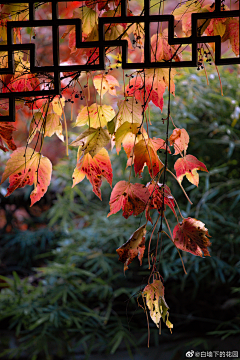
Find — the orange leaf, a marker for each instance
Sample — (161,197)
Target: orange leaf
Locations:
(27,167)
(180,140)
(131,198)
(6,130)
(192,236)
(188,165)
(161,50)
(145,152)
(135,246)
(156,199)
(94,168)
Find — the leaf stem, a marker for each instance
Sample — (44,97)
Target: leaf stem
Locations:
(180,186)
(65,124)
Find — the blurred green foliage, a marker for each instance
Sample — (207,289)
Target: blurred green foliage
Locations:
(68,292)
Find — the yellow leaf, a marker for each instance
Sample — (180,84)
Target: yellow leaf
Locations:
(58,105)
(122,133)
(92,140)
(89,18)
(129,110)
(154,295)
(95,115)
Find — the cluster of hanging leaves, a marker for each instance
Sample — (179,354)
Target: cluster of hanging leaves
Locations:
(123,124)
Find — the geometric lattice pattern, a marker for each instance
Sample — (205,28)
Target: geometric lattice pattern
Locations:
(102,45)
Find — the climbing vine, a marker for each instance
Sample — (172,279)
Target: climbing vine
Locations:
(113,110)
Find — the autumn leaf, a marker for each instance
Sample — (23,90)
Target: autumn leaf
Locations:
(95,115)
(104,83)
(135,246)
(131,198)
(185,11)
(58,105)
(192,236)
(156,199)
(145,152)
(188,165)
(92,140)
(180,140)
(6,130)
(232,34)
(49,126)
(126,134)
(23,79)
(154,295)
(27,167)
(160,144)
(135,88)
(94,168)
(156,82)
(89,20)
(161,50)
(233,31)
(129,110)
(104,4)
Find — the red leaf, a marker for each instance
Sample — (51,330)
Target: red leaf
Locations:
(27,167)
(131,198)
(156,199)
(135,246)
(22,80)
(156,81)
(6,130)
(188,165)
(94,168)
(192,236)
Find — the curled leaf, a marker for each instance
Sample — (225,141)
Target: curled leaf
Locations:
(192,236)
(135,246)
(180,140)
(145,153)
(131,198)
(188,165)
(154,295)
